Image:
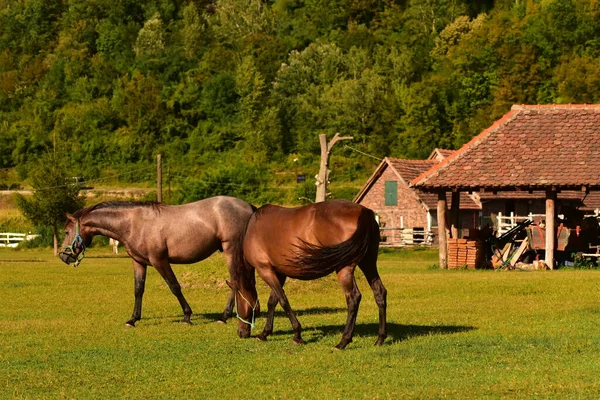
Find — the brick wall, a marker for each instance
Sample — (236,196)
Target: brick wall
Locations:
(412,211)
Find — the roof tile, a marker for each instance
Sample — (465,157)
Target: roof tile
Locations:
(530,146)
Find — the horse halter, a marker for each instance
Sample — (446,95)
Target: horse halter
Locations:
(237,315)
(77,242)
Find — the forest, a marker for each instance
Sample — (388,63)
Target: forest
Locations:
(234,93)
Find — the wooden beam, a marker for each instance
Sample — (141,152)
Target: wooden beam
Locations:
(442,238)
(519,252)
(550,228)
(455,216)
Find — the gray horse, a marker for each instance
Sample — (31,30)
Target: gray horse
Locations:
(158,235)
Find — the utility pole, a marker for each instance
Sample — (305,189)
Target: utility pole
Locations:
(159,178)
(323,176)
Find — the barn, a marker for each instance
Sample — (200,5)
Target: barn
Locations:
(551,150)
(407,215)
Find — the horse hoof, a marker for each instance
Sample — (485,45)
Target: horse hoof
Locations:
(299,342)
(222,322)
(261,338)
(130,324)
(379,342)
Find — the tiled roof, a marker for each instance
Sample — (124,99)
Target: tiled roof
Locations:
(531,147)
(585,202)
(440,154)
(408,170)
(431,199)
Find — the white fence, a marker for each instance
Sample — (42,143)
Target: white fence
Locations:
(13,239)
(505,223)
(405,237)
(595,214)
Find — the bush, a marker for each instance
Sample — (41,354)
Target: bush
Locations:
(45,239)
(306,190)
(101,241)
(581,262)
(245,181)
(15,224)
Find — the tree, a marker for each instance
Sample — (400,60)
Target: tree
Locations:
(194,30)
(54,193)
(151,39)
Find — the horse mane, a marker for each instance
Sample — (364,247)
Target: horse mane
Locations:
(259,211)
(239,261)
(115,205)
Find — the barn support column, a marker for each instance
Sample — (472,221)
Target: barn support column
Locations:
(442,238)
(550,228)
(455,215)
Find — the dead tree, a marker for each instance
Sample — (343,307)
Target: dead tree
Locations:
(323,176)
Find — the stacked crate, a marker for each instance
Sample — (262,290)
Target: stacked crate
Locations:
(464,252)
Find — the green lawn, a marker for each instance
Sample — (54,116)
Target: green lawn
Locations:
(452,334)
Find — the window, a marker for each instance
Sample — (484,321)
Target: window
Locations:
(391,193)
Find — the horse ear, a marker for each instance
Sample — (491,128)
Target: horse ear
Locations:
(70,217)
(231,285)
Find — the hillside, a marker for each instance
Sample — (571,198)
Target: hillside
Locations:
(234,93)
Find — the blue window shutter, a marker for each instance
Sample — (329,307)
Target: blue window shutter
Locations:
(391,193)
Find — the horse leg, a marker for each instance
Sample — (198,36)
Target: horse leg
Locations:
(165,270)
(348,283)
(139,273)
(369,268)
(228,311)
(277,290)
(228,249)
(271,304)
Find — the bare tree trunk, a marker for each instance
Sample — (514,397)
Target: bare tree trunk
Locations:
(323,176)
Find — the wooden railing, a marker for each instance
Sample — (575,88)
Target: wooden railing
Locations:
(13,239)
(505,223)
(405,237)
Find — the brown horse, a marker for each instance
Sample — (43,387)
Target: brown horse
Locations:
(308,243)
(158,235)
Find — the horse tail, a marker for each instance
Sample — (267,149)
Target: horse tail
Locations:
(363,241)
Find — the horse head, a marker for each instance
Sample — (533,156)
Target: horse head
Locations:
(247,306)
(75,243)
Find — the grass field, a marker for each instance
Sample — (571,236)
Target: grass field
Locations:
(452,334)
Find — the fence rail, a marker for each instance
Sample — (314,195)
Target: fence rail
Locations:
(13,239)
(506,222)
(405,237)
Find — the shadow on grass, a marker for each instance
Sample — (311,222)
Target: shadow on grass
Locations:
(396,332)
(279,314)
(108,256)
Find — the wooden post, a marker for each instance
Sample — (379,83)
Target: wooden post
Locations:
(455,215)
(442,238)
(550,228)
(323,176)
(159,178)
(169,184)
